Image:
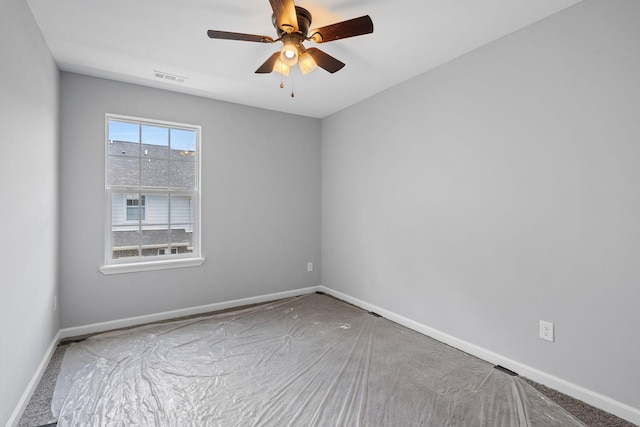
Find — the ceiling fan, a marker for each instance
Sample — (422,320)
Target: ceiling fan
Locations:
(292,26)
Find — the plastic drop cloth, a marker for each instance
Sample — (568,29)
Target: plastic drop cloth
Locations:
(305,361)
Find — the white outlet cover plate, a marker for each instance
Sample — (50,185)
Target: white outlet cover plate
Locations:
(546,330)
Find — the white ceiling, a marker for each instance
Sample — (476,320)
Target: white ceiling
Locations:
(127,40)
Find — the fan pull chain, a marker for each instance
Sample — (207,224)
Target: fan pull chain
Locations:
(281,74)
(292,94)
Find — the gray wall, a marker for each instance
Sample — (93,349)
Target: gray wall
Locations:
(29,210)
(501,189)
(260,203)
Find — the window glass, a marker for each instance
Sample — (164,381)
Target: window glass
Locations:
(124,171)
(155,173)
(155,142)
(124,131)
(184,142)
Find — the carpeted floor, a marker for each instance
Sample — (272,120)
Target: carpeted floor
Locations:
(38,412)
(586,413)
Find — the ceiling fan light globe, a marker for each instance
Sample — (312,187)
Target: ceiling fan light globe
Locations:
(306,63)
(290,62)
(289,54)
(281,67)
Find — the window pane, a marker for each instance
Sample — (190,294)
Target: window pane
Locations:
(181,209)
(155,135)
(153,240)
(124,139)
(123,131)
(155,142)
(125,241)
(125,238)
(155,229)
(182,223)
(124,171)
(183,143)
(156,209)
(155,173)
(181,240)
(183,175)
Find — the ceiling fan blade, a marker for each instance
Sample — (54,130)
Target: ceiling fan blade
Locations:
(342,30)
(226,35)
(267,67)
(285,13)
(324,60)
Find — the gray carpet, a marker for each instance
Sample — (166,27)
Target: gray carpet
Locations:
(38,412)
(586,413)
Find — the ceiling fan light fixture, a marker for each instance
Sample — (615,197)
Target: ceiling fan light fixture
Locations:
(292,25)
(281,67)
(306,63)
(289,53)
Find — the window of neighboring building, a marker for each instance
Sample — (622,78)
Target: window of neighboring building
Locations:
(153,194)
(135,207)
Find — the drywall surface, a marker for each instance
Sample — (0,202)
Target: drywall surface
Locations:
(29,89)
(260,203)
(501,189)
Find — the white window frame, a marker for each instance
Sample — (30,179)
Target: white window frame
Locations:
(136,264)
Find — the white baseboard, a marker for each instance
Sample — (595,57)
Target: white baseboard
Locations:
(14,419)
(598,400)
(166,315)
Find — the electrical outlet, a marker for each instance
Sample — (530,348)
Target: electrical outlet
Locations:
(55,303)
(309,266)
(546,330)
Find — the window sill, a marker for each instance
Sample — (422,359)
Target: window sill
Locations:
(150,266)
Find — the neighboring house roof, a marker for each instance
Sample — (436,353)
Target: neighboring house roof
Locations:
(157,160)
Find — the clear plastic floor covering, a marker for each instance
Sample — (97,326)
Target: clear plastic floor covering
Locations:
(305,361)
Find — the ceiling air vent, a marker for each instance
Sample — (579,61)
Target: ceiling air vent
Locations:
(169,77)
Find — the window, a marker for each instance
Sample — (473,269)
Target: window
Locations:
(135,207)
(153,194)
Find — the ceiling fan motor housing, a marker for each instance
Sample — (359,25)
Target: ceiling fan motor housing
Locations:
(304,22)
